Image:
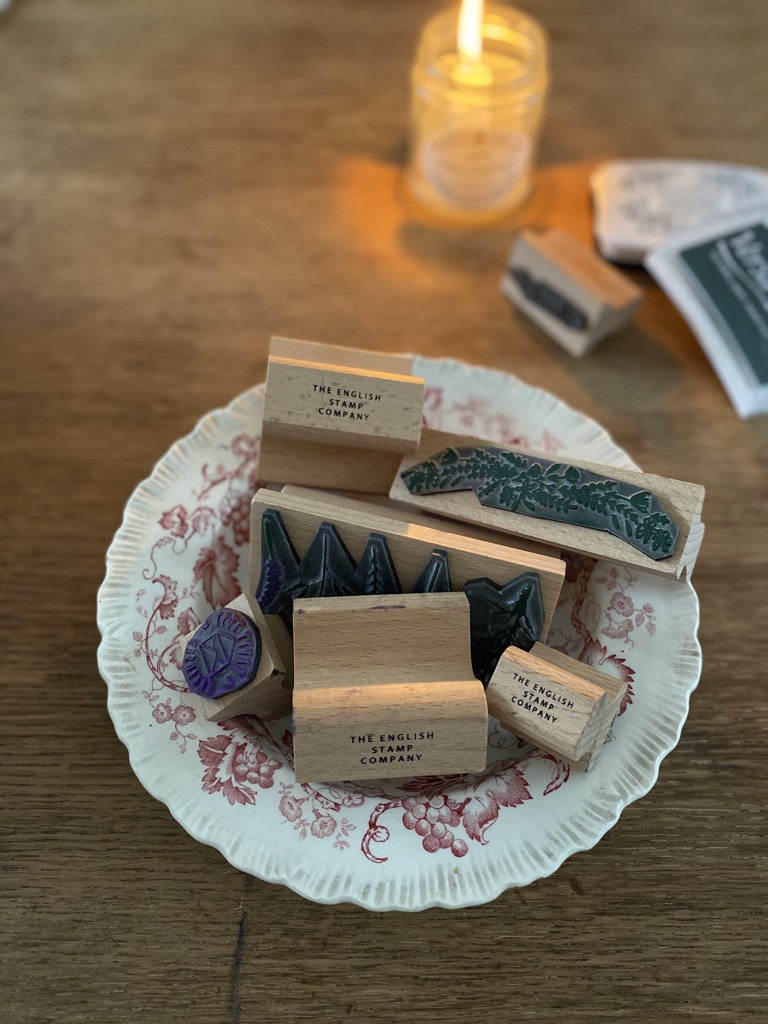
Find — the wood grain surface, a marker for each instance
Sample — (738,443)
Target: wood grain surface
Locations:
(179,181)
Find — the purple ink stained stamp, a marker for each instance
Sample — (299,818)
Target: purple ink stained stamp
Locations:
(223,655)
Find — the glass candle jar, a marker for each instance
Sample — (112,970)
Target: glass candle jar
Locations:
(474,123)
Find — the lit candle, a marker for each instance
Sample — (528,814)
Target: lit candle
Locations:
(478,90)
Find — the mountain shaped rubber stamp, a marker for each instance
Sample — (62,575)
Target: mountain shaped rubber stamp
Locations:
(500,616)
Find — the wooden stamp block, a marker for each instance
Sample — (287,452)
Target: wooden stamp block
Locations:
(347,407)
(553,701)
(443,453)
(384,688)
(568,290)
(337,355)
(268,694)
(411,546)
(377,503)
(342,427)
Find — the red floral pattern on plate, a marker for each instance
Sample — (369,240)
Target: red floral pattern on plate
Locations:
(240,759)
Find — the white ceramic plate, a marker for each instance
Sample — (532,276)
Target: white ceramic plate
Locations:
(182,550)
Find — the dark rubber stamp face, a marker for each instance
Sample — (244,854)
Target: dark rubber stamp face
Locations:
(499,615)
(531,485)
(223,655)
(545,296)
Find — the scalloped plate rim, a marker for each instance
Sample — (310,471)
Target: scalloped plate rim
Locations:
(105,594)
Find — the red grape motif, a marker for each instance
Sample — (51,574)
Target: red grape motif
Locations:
(256,768)
(432,819)
(235,511)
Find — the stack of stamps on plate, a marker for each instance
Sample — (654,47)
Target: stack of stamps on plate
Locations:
(392,618)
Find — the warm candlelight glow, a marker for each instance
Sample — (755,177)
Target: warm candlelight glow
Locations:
(477,101)
(470,38)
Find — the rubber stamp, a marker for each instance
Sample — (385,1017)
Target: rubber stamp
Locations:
(637,519)
(568,290)
(499,615)
(333,426)
(235,664)
(306,547)
(532,485)
(554,702)
(224,654)
(503,617)
(375,503)
(384,688)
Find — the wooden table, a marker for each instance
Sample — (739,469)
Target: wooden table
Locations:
(177,182)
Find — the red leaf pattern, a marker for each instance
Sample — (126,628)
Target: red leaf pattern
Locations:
(216,568)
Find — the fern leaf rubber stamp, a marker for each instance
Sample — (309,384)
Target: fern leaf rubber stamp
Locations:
(534,486)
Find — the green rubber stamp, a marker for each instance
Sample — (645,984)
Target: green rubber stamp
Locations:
(499,615)
(534,486)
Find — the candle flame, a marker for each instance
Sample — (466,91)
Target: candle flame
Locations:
(470,38)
